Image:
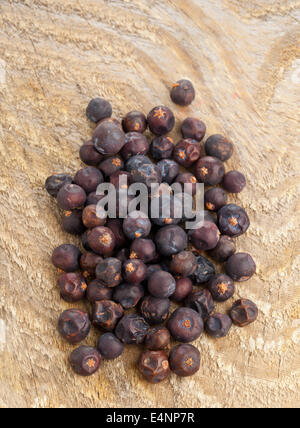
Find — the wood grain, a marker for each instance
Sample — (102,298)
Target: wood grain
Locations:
(243,57)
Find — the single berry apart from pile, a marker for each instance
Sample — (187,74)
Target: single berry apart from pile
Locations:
(221,287)
(193,128)
(183,93)
(219,147)
(158,339)
(218,325)
(154,366)
(161,120)
(185,325)
(240,267)
(74,325)
(233,220)
(234,182)
(85,360)
(98,109)
(109,346)
(185,360)
(243,312)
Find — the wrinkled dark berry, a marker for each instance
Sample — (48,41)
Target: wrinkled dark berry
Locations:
(93,198)
(116,226)
(71,197)
(109,346)
(72,222)
(204,272)
(55,182)
(109,272)
(218,325)
(206,236)
(111,165)
(219,147)
(234,182)
(162,147)
(188,182)
(185,325)
(101,240)
(89,179)
(221,287)
(89,261)
(158,339)
(136,225)
(135,121)
(66,257)
(161,120)
(187,152)
(233,220)
(143,249)
(120,179)
(98,109)
(171,240)
(89,155)
(74,325)
(132,329)
(97,291)
(240,267)
(154,310)
(202,302)
(106,314)
(184,287)
(210,170)
(215,199)
(224,249)
(154,366)
(193,128)
(134,271)
(108,138)
(136,162)
(72,286)
(183,93)
(169,170)
(93,216)
(135,144)
(161,284)
(185,360)
(243,312)
(85,360)
(128,295)
(183,264)
(147,174)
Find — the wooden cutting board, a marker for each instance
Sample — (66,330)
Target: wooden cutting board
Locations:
(242,57)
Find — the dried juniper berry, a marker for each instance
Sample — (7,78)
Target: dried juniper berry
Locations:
(143,249)
(187,152)
(89,178)
(134,271)
(128,295)
(171,240)
(169,170)
(74,325)
(109,272)
(109,346)
(183,264)
(185,325)
(98,109)
(215,199)
(165,210)
(162,147)
(135,121)
(161,284)
(93,216)
(185,360)
(154,310)
(234,182)
(206,236)
(193,128)
(84,241)
(89,155)
(135,162)
(154,366)
(85,360)
(111,165)
(219,147)
(116,226)
(204,272)
(161,120)
(240,267)
(72,222)
(89,261)
(210,170)
(188,182)
(108,138)
(101,240)
(132,329)
(66,257)
(218,325)
(120,179)
(55,182)
(96,291)
(225,248)
(243,312)
(72,286)
(221,287)
(106,314)
(71,197)
(202,302)
(137,225)
(158,339)
(93,198)
(135,144)
(183,93)
(151,269)
(233,220)
(147,174)
(184,287)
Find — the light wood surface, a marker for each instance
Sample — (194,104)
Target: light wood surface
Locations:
(243,56)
